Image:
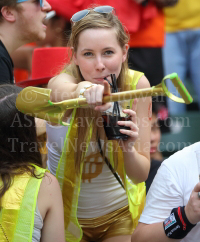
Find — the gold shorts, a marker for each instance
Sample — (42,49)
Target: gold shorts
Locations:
(110,225)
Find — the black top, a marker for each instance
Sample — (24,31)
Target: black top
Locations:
(6,66)
(155,164)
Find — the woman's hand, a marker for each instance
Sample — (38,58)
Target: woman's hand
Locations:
(94,96)
(133,133)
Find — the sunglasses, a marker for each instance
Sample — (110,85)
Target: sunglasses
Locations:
(39,1)
(81,14)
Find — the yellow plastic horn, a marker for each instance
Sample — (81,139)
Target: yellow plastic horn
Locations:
(35,101)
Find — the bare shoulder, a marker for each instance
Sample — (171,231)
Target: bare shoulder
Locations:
(143,83)
(49,183)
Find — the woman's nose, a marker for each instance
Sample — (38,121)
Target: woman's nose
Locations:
(100,66)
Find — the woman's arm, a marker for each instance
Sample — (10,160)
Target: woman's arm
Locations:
(136,149)
(50,205)
(66,87)
(151,233)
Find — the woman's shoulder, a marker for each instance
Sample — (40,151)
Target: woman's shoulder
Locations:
(138,79)
(143,82)
(49,182)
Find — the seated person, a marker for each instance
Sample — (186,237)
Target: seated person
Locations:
(172,211)
(31,201)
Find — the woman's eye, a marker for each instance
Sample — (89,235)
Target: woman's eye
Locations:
(87,54)
(108,52)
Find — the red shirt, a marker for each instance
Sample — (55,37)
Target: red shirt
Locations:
(145,24)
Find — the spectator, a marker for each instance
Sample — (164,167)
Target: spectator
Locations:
(181,53)
(21,22)
(31,201)
(172,207)
(57,34)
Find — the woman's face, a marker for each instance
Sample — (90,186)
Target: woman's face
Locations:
(155,135)
(99,54)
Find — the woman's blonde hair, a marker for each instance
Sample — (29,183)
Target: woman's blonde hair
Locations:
(94,20)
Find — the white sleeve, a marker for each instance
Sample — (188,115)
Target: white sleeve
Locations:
(164,194)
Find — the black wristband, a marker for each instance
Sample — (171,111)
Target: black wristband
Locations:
(177,226)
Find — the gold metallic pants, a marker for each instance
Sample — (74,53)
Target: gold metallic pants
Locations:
(110,225)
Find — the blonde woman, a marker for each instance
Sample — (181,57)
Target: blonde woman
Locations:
(100,203)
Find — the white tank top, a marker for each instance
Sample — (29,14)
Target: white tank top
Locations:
(38,225)
(100,191)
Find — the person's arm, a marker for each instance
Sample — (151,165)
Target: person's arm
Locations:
(66,87)
(151,233)
(166,193)
(156,233)
(50,205)
(22,57)
(136,149)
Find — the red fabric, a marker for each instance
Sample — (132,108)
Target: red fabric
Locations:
(152,35)
(20,75)
(132,14)
(47,62)
(145,24)
(67,8)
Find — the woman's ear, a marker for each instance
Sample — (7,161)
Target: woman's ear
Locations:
(125,52)
(8,14)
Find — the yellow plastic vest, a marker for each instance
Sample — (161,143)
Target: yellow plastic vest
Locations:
(18,207)
(70,183)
